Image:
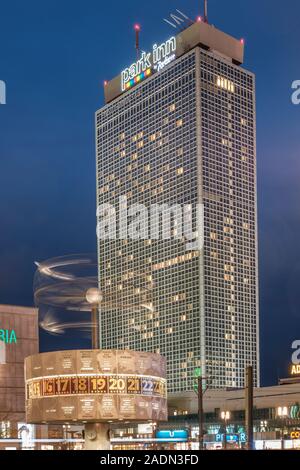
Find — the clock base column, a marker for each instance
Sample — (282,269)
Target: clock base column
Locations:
(97,436)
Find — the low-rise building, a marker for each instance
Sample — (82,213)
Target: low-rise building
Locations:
(276,416)
(276,421)
(18,339)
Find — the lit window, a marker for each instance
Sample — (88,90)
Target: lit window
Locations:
(225,84)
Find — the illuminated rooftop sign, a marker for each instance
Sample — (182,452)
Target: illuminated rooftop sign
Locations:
(295,369)
(161,56)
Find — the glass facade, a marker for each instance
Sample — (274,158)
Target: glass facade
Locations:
(184,136)
(229,194)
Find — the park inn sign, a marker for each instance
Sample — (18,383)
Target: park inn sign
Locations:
(161,56)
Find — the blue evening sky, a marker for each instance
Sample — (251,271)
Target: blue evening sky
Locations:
(54,57)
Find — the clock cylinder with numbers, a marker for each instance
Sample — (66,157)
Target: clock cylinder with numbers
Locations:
(95,386)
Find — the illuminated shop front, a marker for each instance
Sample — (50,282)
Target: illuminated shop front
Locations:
(182,433)
(19,339)
(276,417)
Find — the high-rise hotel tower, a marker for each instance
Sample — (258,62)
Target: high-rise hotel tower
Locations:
(179,127)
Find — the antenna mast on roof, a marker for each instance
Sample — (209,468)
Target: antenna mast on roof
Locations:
(179,20)
(137,29)
(205,12)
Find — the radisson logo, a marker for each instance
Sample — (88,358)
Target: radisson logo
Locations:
(8,336)
(161,56)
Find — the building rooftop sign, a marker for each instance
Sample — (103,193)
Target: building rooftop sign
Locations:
(295,369)
(198,34)
(161,56)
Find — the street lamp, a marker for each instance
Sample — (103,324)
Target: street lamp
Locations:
(154,427)
(225,416)
(282,413)
(94,297)
(200,387)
